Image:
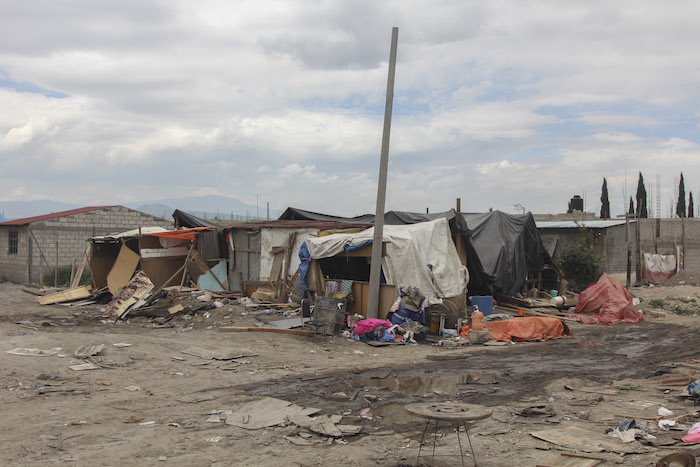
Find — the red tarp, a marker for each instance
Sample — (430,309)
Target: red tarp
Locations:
(531,328)
(184,234)
(609,301)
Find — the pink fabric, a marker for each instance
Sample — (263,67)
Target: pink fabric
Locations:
(693,435)
(367,325)
(609,301)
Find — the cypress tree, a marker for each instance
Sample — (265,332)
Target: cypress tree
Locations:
(631,211)
(680,206)
(691,208)
(641,198)
(604,201)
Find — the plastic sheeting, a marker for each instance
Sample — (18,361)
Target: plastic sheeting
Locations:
(271,238)
(502,249)
(509,247)
(183,219)
(421,255)
(607,302)
(531,328)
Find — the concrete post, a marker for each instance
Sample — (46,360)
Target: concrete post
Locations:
(376,264)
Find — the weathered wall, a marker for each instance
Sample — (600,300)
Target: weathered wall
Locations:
(611,242)
(70,233)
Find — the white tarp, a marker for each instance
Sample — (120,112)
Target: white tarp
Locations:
(271,238)
(409,251)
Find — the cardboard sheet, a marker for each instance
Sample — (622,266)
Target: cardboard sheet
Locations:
(123,269)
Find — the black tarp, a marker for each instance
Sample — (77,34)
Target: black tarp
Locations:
(509,247)
(502,249)
(183,219)
(302,215)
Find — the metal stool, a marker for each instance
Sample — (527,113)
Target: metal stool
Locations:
(455,412)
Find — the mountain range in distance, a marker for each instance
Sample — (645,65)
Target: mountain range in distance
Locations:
(208,206)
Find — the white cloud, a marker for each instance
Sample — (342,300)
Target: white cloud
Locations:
(498,102)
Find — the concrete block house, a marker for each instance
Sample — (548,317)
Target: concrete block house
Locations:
(61,237)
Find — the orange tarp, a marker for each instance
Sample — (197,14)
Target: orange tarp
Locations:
(531,328)
(184,234)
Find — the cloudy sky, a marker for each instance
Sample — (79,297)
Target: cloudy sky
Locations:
(499,103)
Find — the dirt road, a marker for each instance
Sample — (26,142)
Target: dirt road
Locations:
(149,402)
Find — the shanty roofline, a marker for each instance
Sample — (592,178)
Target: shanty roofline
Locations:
(55,215)
(598,224)
(297,224)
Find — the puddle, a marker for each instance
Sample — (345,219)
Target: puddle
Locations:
(417,386)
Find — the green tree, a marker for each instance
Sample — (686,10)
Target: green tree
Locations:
(604,201)
(631,210)
(641,198)
(680,205)
(580,262)
(691,207)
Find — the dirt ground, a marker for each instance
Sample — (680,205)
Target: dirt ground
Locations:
(53,414)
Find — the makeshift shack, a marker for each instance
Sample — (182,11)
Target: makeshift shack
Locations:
(267,252)
(421,255)
(503,252)
(161,254)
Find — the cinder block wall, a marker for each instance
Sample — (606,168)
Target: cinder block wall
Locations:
(70,233)
(612,242)
(13,267)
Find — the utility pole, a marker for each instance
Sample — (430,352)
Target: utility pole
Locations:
(377,241)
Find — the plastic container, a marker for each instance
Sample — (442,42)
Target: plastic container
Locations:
(482,303)
(477,320)
(553,293)
(559,301)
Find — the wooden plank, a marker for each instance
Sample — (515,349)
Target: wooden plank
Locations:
(276,270)
(66,295)
(81,267)
(123,269)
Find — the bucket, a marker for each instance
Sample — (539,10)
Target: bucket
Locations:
(553,293)
(484,303)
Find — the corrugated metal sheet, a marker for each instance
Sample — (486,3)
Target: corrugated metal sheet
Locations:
(598,224)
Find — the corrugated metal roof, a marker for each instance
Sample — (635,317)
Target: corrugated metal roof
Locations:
(597,224)
(55,215)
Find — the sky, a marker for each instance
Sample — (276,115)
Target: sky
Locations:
(499,103)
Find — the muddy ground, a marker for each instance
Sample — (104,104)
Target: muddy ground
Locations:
(52,414)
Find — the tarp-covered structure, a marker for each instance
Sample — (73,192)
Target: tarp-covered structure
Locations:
(502,250)
(421,255)
(187,220)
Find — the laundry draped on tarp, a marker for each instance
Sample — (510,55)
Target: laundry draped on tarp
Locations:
(606,302)
(657,268)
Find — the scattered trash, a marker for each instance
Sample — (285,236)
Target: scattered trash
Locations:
(133,388)
(265,412)
(88,350)
(84,367)
(132,420)
(664,412)
(35,352)
(693,435)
